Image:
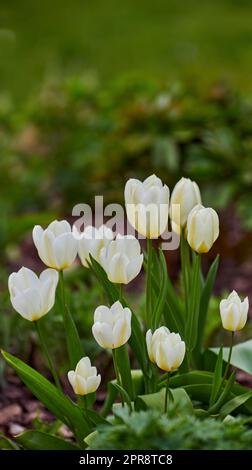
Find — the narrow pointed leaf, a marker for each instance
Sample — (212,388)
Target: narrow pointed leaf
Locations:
(217,378)
(38,440)
(60,405)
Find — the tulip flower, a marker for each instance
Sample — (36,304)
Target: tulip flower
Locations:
(122,259)
(56,245)
(186,195)
(234,312)
(84,379)
(32,296)
(202,228)
(91,241)
(165,349)
(112,326)
(147,205)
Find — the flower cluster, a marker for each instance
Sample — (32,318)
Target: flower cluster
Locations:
(148,210)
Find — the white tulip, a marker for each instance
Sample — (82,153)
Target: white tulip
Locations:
(122,259)
(165,349)
(32,296)
(112,326)
(84,378)
(202,228)
(91,241)
(186,195)
(56,245)
(147,205)
(234,312)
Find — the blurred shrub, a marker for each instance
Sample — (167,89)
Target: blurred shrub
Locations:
(75,139)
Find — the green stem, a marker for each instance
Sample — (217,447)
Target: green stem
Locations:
(166,393)
(149,284)
(47,354)
(185,266)
(83,402)
(117,373)
(229,358)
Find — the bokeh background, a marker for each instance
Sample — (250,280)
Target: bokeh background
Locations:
(92,93)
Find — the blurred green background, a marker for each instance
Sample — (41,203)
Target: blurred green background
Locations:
(161,39)
(92,93)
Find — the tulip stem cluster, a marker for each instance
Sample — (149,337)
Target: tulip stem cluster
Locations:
(46,353)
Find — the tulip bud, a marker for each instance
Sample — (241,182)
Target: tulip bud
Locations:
(147,205)
(234,312)
(165,349)
(122,259)
(202,228)
(112,326)
(91,241)
(32,296)
(56,245)
(84,378)
(186,195)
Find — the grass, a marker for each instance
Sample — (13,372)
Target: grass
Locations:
(163,39)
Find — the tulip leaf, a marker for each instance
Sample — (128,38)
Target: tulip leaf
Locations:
(241,355)
(198,385)
(7,444)
(110,399)
(234,403)
(74,346)
(157,400)
(96,418)
(124,394)
(191,328)
(61,406)
(224,395)
(172,311)
(158,311)
(39,440)
(137,339)
(204,302)
(123,363)
(217,378)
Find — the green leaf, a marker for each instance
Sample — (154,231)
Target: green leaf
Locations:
(172,311)
(158,311)
(124,394)
(204,301)
(241,355)
(122,360)
(7,444)
(38,440)
(191,329)
(61,406)
(110,399)
(74,346)
(157,400)
(224,395)
(96,418)
(233,404)
(198,385)
(217,379)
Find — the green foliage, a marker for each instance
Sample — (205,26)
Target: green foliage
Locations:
(152,430)
(64,145)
